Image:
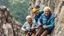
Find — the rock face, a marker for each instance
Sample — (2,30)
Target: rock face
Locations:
(8,25)
(57,7)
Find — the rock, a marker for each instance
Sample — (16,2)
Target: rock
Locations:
(8,25)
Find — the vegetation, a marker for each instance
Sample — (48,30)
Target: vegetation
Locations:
(18,8)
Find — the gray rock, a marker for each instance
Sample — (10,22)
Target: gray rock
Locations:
(8,25)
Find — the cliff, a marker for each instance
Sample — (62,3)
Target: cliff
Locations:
(8,25)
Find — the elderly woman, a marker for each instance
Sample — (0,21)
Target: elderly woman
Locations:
(45,22)
(29,26)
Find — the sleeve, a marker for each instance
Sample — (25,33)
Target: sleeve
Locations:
(24,27)
(35,25)
(39,20)
(51,24)
(34,18)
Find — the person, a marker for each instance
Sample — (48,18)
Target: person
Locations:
(45,22)
(37,13)
(29,26)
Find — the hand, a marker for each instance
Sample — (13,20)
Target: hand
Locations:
(44,26)
(40,24)
(32,28)
(25,31)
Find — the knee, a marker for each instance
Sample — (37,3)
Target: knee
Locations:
(37,34)
(27,34)
(43,35)
(33,35)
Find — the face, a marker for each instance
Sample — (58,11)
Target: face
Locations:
(47,12)
(36,12)
(29,20)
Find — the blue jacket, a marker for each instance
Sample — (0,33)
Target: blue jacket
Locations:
(49,21)
(39,14)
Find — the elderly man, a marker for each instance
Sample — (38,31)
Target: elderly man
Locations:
(29,27)
(45,22)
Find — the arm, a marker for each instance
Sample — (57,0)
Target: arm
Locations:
(51,24)
(35,18)
(40,20)
(23,27)
(34,25)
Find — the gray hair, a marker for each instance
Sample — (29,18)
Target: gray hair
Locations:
(47,8)
(28,17)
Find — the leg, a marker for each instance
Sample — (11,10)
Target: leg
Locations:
(39,32)
(33,34)
(45,33)
(27,34)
